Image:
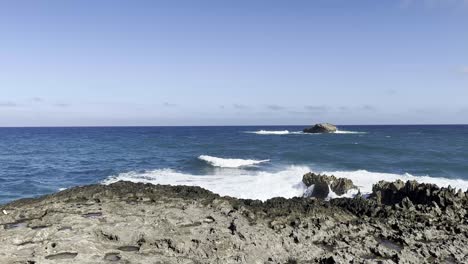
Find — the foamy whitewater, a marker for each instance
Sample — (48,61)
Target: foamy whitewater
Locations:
(242,184)
(230,163)
(264,185)
(348,132)
(272,132)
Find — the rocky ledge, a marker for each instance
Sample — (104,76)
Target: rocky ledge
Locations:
(142,223)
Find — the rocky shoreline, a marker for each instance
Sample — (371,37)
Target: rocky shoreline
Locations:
(143,223)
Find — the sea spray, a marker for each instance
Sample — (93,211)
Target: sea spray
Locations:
(264,185)
(260,185)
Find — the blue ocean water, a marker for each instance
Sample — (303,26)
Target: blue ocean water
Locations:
(249,162)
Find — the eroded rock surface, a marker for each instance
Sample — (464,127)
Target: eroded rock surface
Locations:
(418,193)
(322,184)
(142,223)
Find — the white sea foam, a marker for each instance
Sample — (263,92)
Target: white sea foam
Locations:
(287,132)
(348,132)
(349,194)
(263,185)
(365,179)
(230,163)
(270,132)
(236,183)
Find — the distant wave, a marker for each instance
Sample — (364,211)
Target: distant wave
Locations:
(230,163)
(270,132)
(277,132)
(287,132)
(349,132)
(263,185)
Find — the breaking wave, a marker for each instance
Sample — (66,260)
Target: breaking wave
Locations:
(230,163)
(365,179)
(270,132)
(236,183)
(349,132)
(263,185)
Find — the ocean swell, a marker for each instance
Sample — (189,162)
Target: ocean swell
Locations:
(230,163)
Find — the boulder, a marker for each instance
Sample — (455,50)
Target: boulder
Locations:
(323,183)
(342,185)
(319,187)
(321,128)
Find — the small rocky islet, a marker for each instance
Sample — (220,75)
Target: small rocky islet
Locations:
(125,222)
(321,128)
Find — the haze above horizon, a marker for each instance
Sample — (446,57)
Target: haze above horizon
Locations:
(156,63)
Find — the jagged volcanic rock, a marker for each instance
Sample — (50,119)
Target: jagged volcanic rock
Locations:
(321,184)
(418,193)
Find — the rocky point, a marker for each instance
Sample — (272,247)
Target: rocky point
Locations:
(129,222)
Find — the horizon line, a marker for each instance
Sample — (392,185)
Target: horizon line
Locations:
(142,126)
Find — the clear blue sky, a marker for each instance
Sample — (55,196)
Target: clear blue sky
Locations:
(233,62)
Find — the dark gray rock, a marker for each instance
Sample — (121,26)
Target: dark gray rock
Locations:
(323,183)
(321,128)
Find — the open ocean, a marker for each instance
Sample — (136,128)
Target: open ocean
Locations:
(256,162)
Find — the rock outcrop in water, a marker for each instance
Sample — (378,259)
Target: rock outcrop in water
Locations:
(142,223)
(321,128)
(322,184)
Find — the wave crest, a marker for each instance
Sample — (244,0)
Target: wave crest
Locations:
(270,132)
(230,163)
(348,132)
